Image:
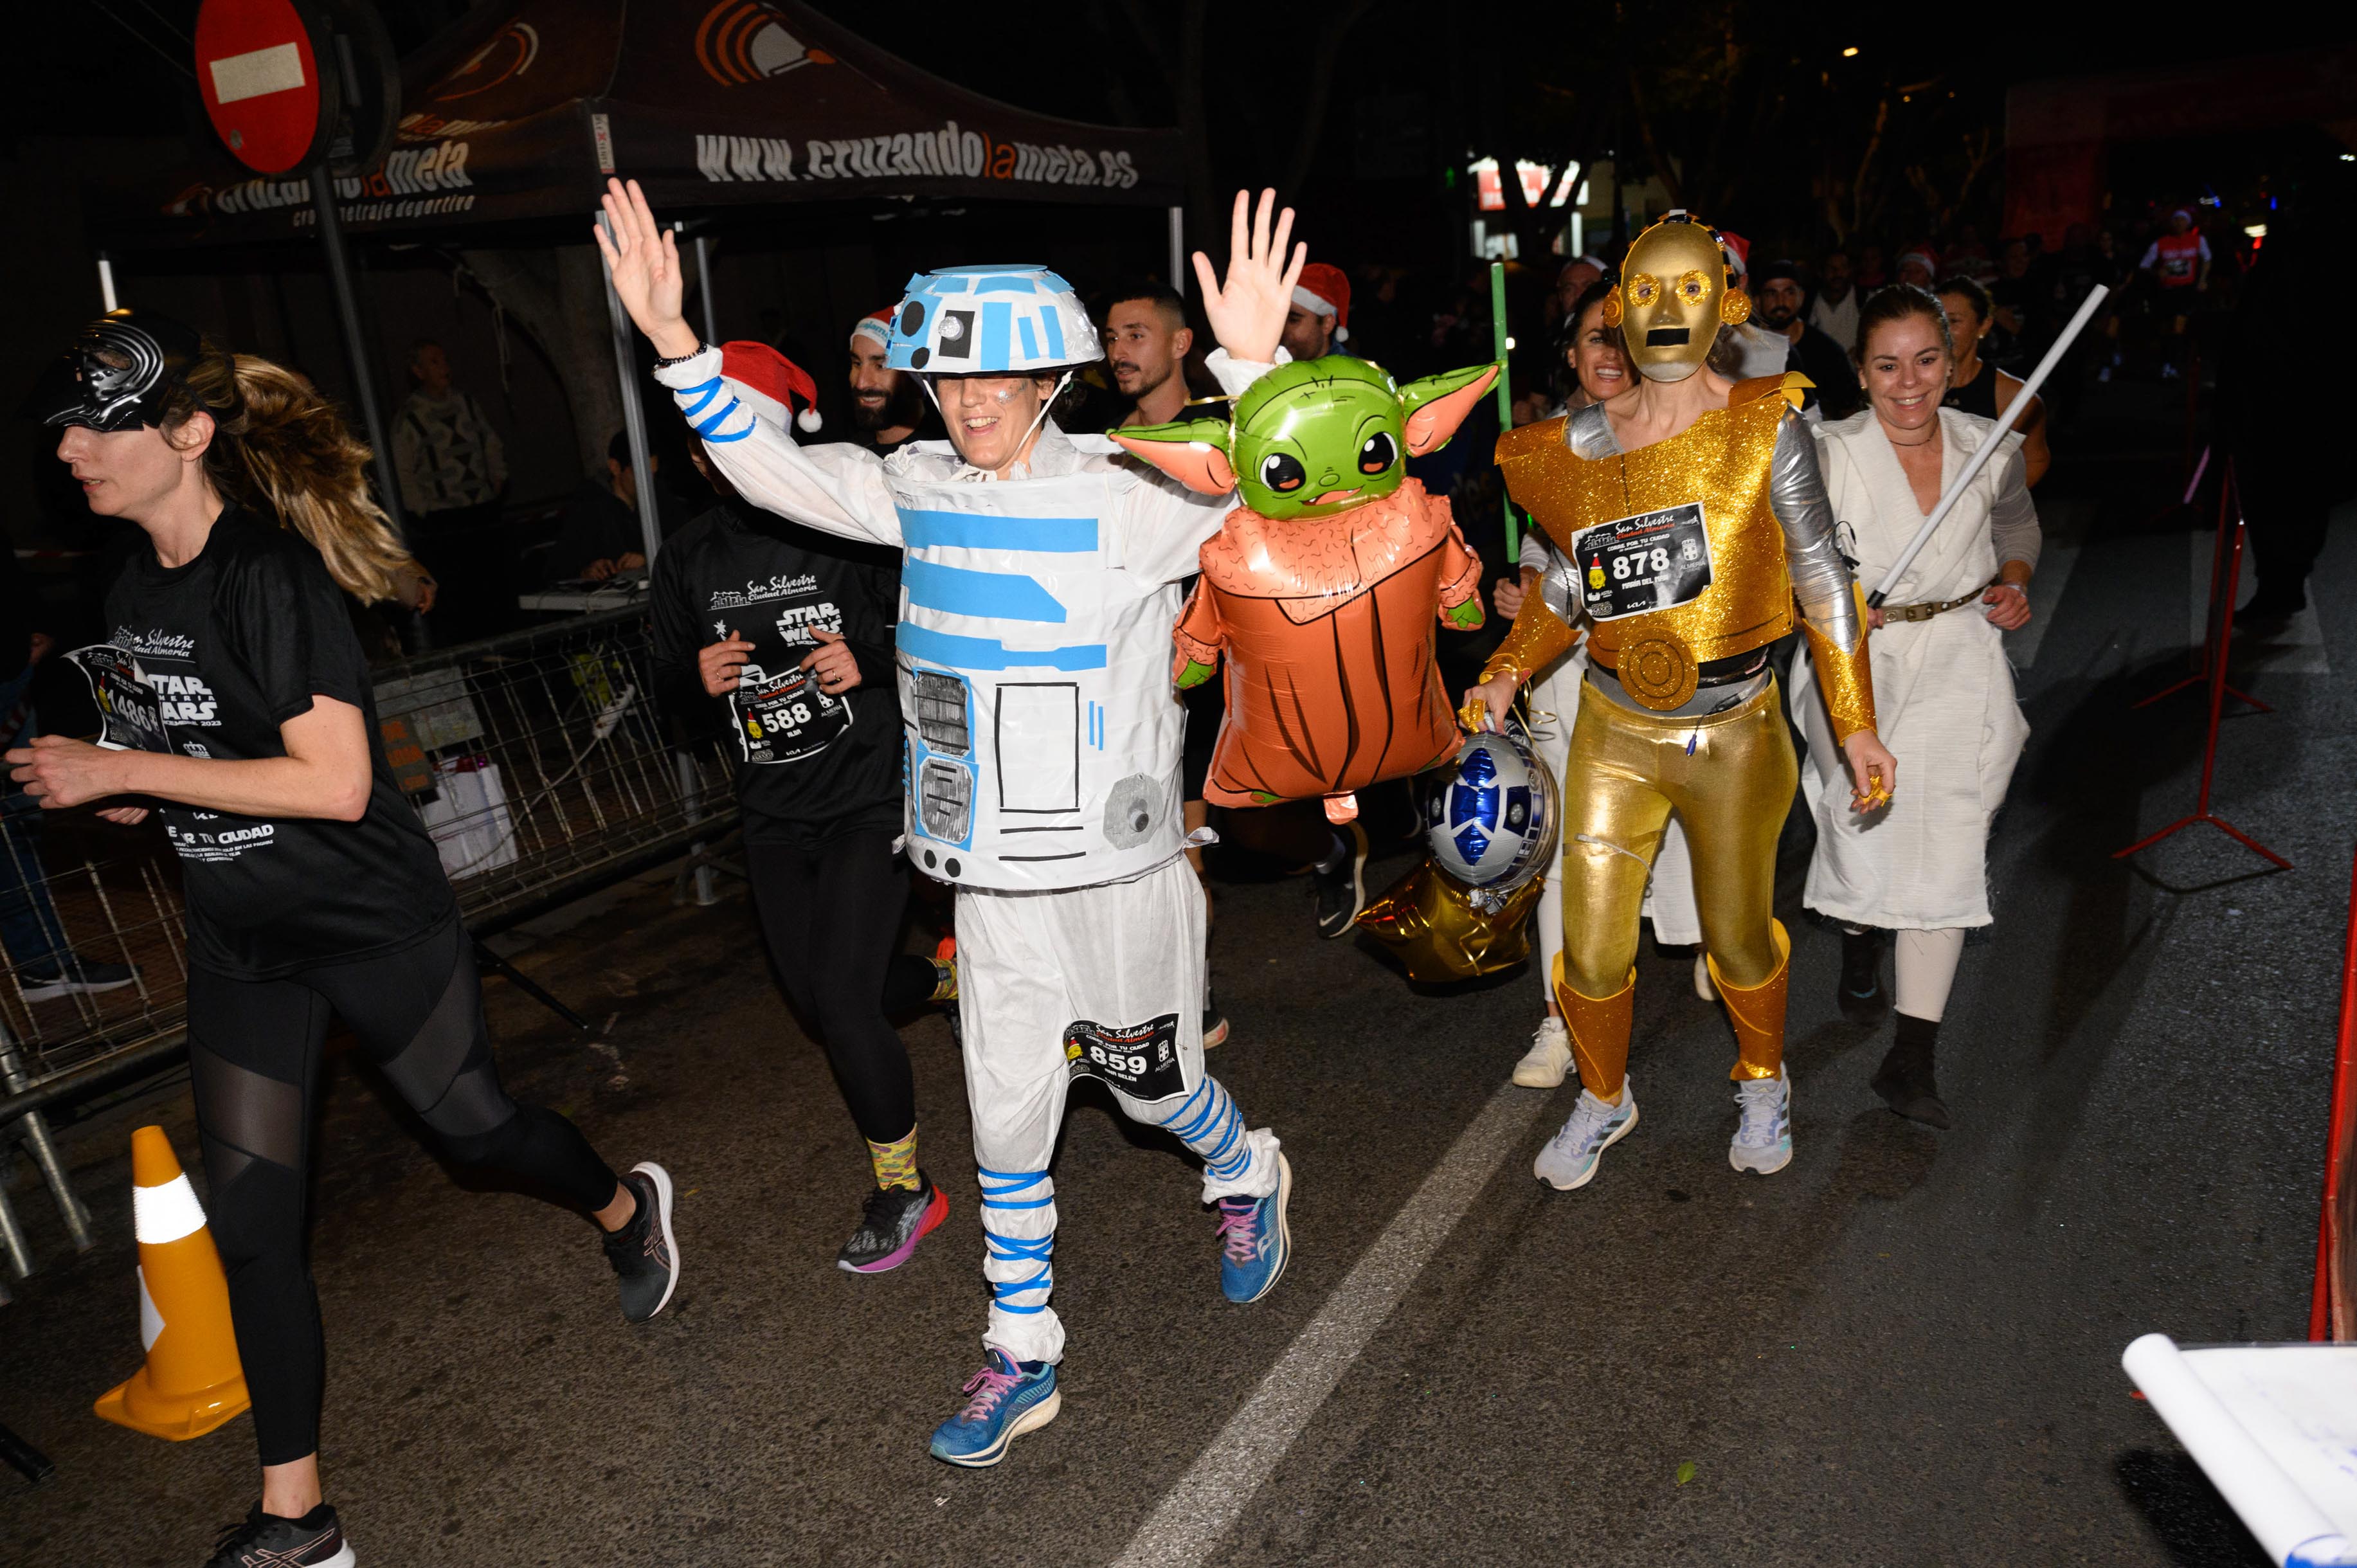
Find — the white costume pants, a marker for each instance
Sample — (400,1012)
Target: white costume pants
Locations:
(1109,978)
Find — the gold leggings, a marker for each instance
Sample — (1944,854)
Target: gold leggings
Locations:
(1731,778)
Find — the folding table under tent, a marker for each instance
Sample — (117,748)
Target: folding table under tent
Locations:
(517,114)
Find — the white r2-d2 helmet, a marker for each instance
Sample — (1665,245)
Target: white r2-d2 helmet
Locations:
(990,320)
(1491,822)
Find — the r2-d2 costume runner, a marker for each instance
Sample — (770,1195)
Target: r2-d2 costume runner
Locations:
(1043,744)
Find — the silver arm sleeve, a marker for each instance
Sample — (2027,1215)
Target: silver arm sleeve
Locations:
(1796,493)
(2013,516)
(1559,586)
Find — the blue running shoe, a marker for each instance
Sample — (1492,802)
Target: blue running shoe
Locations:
(1254,1240)
(1003,1403)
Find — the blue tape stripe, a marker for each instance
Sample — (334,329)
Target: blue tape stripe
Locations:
(1029,339)
(717,420)
(991,355)
(993,596)
(710,390)
(979,654)
(923,530)
(740,435)
(1051,326)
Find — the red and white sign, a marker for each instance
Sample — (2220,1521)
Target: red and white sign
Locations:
(260,80)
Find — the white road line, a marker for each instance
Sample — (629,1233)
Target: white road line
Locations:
(2046,585)
(2295,648)
(1197,1512)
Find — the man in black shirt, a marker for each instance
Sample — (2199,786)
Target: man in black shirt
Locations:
(1776,286)
(597,534)
(792,631)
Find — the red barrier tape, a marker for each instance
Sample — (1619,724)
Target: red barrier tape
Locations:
(2332,1309)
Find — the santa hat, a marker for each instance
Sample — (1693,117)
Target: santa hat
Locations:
(1923,253)
(1739,253)
(877,325)
(768,383)
(1326,289)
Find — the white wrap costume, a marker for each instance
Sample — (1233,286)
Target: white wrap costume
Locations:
(1043,762)
(1943,691)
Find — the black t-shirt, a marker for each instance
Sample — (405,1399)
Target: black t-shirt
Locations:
(809,765)
(234,644)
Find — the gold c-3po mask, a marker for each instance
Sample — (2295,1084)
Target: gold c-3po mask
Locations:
(1674,297)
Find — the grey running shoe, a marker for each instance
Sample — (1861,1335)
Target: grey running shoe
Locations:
(898,1217)
(1763,1134)
(645,1255)
(1568,1161)
(267,1541)
(1215,1023)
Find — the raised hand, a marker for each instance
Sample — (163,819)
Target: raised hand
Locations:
(1247,313)
(643,259)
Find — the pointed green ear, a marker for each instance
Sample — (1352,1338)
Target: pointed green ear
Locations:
(1192,451)
(1436,406)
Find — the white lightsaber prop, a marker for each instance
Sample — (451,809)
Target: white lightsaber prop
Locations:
(1988,448)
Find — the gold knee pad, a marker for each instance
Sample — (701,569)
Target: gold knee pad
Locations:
(1600,1032)
(1757,1012)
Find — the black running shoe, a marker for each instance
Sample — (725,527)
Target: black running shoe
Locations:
(645,1255)
(1860,992)
(896,1220)
(1341,893)
(265,1540)
(72,976)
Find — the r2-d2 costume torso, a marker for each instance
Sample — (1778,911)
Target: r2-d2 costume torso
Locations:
(1035,691)
(1043,742)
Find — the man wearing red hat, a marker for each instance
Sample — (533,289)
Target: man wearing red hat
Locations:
(1319,321)
(887,409)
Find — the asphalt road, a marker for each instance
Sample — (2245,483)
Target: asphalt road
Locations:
(1903,1348)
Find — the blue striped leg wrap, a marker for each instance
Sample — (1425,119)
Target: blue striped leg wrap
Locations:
(1000,1190)
(1209,1123)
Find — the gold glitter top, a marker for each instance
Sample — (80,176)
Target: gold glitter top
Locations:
(1721,461)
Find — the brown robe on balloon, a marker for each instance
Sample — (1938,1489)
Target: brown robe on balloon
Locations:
(1326,626)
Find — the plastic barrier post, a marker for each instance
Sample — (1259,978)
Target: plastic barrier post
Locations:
(2332,1308)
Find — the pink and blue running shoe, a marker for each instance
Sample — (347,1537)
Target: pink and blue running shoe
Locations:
(1255,1241)
(1004,1399)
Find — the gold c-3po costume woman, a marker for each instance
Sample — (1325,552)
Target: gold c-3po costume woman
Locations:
(1685,518)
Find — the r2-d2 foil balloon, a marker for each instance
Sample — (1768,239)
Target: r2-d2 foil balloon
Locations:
(1491,819)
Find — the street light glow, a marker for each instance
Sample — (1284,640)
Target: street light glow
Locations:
(1850,53)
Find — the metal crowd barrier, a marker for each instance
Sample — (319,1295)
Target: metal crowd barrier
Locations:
(537,761)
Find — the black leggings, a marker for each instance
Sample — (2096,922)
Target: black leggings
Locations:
(830,913)
(253,1054)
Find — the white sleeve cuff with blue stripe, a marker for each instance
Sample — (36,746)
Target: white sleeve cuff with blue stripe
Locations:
(712,410)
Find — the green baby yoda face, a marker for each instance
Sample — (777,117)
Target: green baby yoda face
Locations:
(1314,437)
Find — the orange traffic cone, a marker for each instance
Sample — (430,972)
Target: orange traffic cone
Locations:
(192,1381)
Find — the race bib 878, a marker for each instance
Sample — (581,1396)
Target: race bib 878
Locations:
(1654,561)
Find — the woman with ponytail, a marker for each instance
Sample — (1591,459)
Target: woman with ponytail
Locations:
(312,887)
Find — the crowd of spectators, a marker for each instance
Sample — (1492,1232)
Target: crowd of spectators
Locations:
(2173,273)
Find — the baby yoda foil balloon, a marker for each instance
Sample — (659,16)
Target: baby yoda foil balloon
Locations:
(1321,587)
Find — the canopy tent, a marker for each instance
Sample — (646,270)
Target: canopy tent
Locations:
(519,113)
(522,112)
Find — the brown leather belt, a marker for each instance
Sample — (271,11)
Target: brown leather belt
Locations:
(1926,611)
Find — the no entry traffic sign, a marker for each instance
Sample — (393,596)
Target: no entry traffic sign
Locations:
(260,76)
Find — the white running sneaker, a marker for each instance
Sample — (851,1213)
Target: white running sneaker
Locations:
(1549,1057)
(1763,1134)
(1569,1159)
(1704,987)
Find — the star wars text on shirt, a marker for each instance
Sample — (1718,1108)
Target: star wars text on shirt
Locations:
(166,666)
(783,716)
